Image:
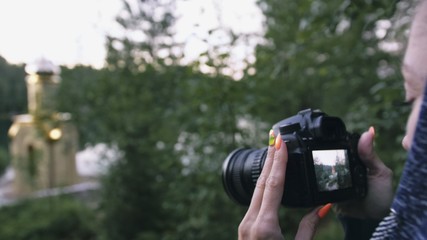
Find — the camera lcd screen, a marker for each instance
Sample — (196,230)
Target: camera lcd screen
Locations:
(332,169)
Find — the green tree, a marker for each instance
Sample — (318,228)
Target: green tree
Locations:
(77,95)
(13,100)
(330,55)
(173,125)
(13,96)
(13,90)
(317,54)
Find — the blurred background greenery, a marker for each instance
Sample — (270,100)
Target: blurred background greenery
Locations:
(176,122)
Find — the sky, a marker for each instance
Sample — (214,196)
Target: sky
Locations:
(70,32)
(328,157)
(64,31)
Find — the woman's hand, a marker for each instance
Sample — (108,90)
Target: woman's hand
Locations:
(262,218)
(376,204)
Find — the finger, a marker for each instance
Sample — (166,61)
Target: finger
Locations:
(275,183)
(260,185)
(308,225)
(367,153)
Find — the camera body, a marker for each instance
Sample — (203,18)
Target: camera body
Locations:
(323,163)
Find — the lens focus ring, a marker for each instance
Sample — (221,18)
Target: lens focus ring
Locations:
(257,165)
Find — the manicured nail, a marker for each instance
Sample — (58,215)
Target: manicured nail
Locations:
(324,210)
(271,138)
(372,131)
(278,142)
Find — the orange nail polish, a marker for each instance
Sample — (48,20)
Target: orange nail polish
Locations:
(372,131)
(278,142)
(324,210)
(271,138)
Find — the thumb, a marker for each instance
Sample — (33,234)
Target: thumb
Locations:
(308,225)
(367,153)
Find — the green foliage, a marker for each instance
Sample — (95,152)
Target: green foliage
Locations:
(328,55)
(13,96)
(175,125)
(4,159)
(153,117)
(57,218)
(77,94)
(319,54)
(12,88)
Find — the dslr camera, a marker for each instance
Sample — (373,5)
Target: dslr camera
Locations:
(323,163)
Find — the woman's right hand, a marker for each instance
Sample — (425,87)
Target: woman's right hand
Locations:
(376,204)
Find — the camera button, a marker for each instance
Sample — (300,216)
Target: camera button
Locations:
(290,128)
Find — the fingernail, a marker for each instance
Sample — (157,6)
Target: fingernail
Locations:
(278,142)
(372,131)
(271,138)
(324,210)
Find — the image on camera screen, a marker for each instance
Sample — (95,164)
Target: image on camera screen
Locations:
(332,169)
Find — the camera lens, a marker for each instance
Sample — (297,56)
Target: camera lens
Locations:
(240,171)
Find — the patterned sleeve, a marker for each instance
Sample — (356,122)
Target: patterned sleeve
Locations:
(408,216)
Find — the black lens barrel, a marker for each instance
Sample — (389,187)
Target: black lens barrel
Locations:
(240,172)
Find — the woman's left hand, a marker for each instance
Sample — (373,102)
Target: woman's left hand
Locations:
(262,218)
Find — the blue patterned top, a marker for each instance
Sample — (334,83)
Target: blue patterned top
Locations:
(408,217)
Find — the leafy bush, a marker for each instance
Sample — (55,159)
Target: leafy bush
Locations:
(55,218)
